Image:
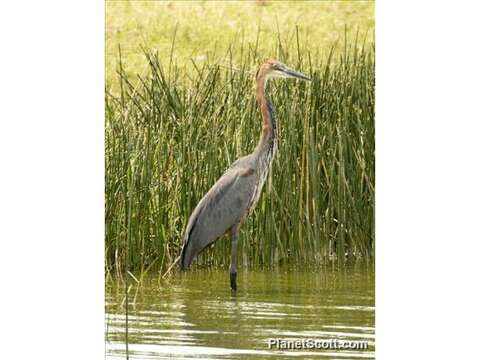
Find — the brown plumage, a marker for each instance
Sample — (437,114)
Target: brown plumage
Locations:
(227,204)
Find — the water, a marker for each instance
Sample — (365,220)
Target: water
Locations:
(195,315)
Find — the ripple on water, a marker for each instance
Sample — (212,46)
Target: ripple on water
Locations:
(197,316)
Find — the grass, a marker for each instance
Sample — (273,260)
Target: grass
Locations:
(211,31)
(173,129)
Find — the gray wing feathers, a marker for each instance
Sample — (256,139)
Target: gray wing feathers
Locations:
(222,207)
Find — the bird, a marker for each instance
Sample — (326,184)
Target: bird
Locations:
(228,203)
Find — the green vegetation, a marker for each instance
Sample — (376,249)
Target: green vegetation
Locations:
(173,129)
(212,31)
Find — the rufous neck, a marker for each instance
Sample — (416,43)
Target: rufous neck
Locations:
(268,127)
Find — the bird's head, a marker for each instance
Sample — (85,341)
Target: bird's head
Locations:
(273,68)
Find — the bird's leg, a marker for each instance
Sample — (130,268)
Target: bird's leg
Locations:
(233,261)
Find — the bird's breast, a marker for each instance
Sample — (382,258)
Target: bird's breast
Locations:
(264,166)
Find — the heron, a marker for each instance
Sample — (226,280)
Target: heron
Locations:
(228,203)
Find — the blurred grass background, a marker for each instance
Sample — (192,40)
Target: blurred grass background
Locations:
(211,31)
(180,109)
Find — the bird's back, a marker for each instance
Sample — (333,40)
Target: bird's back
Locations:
(222,207)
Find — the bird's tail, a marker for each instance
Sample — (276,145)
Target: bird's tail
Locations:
(188,250)
(183,265)
(186,256)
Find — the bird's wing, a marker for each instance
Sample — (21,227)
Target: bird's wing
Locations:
(223,206)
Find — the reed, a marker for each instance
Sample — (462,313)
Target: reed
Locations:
(171,133)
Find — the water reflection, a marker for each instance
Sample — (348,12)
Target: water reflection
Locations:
(195,314)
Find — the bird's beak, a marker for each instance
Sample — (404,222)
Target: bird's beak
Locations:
(295,74)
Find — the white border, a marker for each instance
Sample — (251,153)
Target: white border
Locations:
(427,172)
(51,148)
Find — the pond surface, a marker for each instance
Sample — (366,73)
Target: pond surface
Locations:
(195,315)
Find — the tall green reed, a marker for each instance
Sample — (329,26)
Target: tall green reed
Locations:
(170,134)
